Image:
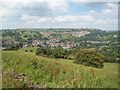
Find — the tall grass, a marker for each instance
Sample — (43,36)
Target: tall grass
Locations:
(54,73)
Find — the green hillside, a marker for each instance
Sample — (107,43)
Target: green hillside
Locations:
(24,69)
(28,49)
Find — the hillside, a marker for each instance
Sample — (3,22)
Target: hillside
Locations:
(24,69)
(28,49)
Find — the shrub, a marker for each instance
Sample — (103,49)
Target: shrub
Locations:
(89,57)
(31,50)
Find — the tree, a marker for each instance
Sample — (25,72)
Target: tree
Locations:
(31,50)
(44,51)
(89,57)
(60,53)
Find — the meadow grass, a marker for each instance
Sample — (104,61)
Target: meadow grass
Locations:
(55,73)
(107,67)
(0,69)
(28,49)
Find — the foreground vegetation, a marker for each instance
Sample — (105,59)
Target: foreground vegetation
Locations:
(25,69)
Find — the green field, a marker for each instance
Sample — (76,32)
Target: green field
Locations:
(24,69)
(28,49)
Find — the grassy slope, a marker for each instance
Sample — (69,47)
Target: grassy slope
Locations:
(0,69)
(54,73)
(28,49)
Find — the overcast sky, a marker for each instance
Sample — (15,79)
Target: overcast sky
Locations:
(59,13)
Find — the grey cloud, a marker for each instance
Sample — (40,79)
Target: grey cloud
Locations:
(37,9)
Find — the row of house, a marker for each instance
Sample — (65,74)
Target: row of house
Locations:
(67,45)
(79,34)
(54,43)
(75,34)
(96,42)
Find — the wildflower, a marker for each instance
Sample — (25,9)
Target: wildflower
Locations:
(55,71)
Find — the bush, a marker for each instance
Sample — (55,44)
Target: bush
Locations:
(31,50)
(89,57)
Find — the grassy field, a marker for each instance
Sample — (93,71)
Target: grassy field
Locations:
(24,69)
(28,49)
(0,69)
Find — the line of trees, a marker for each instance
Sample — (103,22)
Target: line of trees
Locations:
(57,52)
(87,57)
(14,46)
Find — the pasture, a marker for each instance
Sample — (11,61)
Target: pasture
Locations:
(21,69)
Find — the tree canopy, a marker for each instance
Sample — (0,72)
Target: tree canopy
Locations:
(89,57)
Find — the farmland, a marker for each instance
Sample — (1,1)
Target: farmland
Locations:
(25,69)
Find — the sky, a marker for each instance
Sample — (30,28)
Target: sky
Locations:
(100,14)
